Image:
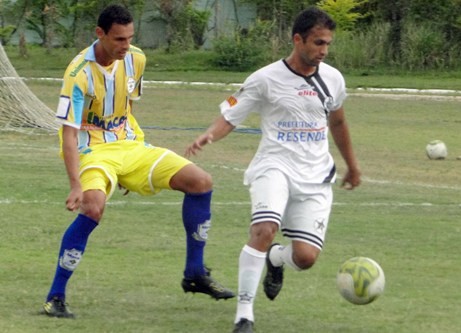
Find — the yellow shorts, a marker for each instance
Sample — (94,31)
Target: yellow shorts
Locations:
(135,165)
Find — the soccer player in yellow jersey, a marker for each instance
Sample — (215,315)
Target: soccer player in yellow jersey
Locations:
(102,146)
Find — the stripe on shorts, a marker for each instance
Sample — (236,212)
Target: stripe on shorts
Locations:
(266,216)
(304,236)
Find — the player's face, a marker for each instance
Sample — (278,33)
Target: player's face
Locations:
(116,42)
(314,49)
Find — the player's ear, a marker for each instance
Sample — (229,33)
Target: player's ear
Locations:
(297,38)
(99,32)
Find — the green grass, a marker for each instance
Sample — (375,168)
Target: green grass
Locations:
(405,216)
(197,66)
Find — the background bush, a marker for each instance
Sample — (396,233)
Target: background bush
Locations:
(423,47)
(244,49)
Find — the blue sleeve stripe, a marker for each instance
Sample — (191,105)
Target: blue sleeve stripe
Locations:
(77,103)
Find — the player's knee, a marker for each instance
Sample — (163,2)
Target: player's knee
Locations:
(304,260)
(94,212)
(203,183)
(262,235)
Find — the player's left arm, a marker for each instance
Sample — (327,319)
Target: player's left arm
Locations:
(340,132)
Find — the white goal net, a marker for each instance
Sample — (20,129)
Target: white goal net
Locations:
(20,109)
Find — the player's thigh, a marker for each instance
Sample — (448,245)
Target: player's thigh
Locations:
(99,167)
(269,195)
(191,179)
(95,178)
(151,169)
(306,219)
(95,186)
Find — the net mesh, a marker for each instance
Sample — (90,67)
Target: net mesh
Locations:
(20,109)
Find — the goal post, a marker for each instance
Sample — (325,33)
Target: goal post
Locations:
(20,109)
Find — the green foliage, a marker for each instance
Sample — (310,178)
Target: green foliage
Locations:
(244,49)
(342,11)
(280,13)
(187,28)
(6,32)
(390,35)
(443,15)
(424,47)
(197,23)
(350,50)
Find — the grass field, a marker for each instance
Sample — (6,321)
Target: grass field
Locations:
(197,65)
(405,216)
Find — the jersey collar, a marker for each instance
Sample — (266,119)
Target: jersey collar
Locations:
(298,74)
(90,55)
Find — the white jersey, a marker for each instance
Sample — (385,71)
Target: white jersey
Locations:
(294,120)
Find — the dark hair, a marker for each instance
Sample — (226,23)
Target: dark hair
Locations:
(310,18)
(114,14)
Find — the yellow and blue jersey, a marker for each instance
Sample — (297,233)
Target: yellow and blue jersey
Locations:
(96,99)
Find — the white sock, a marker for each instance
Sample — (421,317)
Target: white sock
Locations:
(281,255)
(251,265)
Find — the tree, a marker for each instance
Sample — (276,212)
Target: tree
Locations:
(443,14)
(281,13)
(185,24)
(394,12)
(84,14)
(343,11)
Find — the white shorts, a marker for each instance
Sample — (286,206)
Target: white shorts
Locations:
(301,216)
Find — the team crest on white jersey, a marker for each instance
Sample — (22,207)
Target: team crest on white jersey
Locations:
(131,84)
(328,103)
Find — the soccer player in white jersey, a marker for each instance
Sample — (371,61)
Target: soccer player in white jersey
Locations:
(102,146)
(299,100)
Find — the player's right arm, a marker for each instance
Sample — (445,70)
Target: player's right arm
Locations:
(218,130)
(72,162)
(234,110)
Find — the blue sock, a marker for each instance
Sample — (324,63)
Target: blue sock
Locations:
(196,215)
(72,247)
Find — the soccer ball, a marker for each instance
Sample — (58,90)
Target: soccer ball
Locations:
(360,280)
(436,150)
